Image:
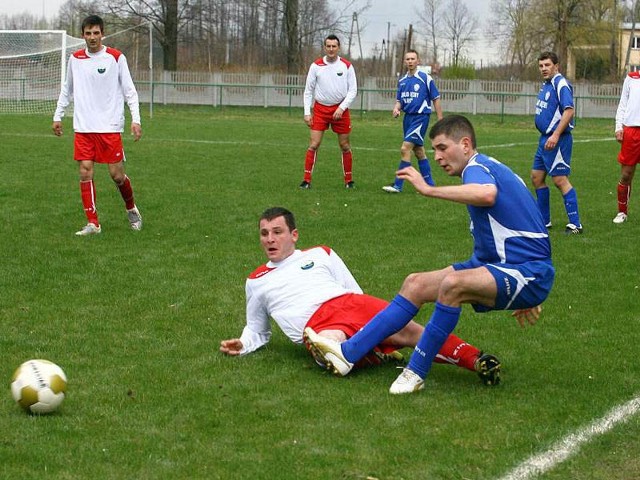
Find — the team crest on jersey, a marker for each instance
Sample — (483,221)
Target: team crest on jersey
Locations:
(547,95)
(307,266)
(102,70)
(416,87)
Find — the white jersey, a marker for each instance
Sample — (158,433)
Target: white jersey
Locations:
(99,83)
(290,292)
(330,83)
(628,113)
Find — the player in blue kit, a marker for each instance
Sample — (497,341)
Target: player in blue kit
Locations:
(417,96)
(510,268)
(554,121)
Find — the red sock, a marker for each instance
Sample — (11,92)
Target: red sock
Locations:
(309,163)
(347,164)
(88,194)
(127,193)
(457,352)
(624,192)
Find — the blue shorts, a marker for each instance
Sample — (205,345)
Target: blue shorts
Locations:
(415,128)
(523,285)
(556,162)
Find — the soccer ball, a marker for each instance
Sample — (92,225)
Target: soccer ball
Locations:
(39,386)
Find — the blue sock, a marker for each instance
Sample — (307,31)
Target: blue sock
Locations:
(398,183)
(387,322)
(571,205)
(443,320)
(425,170)
(543,203)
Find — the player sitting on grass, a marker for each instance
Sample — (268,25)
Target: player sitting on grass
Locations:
(314,288)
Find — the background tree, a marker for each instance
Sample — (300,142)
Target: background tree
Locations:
(429,16)
(459,28)
(519,38)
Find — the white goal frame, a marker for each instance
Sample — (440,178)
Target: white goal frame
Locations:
(28,66)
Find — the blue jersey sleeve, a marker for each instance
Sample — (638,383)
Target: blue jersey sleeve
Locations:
(477,174)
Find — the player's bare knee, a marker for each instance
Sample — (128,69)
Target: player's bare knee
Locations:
(452,288)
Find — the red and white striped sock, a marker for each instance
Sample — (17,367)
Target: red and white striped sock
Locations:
(624,193)
(309,163)
(88,194)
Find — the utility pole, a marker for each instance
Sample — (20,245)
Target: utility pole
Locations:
(354,22)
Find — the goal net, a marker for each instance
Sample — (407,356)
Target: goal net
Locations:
(33,65)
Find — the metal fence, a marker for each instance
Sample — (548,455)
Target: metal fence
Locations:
(19,94)
(280,90)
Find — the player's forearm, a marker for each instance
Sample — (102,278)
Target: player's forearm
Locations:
(565,119)
(471,194)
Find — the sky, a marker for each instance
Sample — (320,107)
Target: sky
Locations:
(399,14)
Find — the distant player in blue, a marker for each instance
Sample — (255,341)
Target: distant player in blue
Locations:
(510,268)
(554,121)
(417,97)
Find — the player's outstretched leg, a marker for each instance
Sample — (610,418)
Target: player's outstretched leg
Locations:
(328,351)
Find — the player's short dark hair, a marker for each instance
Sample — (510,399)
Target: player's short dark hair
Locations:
(275,212)
(412,50)
(93,20)
(454,127)
(550,56)
(331,37)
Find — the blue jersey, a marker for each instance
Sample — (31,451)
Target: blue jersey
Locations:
(416,93)
(555,96)
(512,230)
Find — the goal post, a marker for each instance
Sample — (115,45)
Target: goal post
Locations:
(32,69)
(33,65)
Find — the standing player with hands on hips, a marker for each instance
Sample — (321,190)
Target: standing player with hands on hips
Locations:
(416,96)
(99,81)
(330,89)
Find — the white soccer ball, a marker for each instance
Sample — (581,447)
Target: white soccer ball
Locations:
(39,386)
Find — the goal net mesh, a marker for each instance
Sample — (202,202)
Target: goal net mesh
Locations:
(33,66)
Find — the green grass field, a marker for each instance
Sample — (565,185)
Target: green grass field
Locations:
(135,318)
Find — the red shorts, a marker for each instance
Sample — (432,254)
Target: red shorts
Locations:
(630,149)
(98,147)
(348,313)
(323,117)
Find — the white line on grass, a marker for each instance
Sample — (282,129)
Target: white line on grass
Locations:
(569,445)
(280,144)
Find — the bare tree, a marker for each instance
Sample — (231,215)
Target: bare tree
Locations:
(562,16)
(519,38)
(430,17)
(459,27)
(166,16)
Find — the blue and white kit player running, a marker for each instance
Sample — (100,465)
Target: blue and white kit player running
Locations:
(510,268)
(554,121)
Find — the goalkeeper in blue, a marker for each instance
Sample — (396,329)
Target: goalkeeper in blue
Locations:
(510,268)
(417,96)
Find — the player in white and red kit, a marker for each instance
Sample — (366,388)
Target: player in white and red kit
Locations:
(314,288)
(330,89)
(99,81)
(628,134)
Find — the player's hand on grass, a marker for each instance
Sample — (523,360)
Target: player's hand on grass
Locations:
(527,315)
(57,129)
(231,347)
